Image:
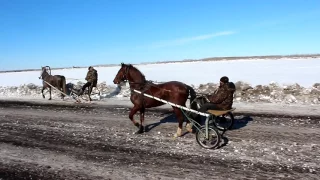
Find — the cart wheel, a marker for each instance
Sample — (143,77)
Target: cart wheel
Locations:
(224,122)
(213,140)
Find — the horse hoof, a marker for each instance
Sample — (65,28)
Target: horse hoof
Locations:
(189,128)
(137,125)
(49,99)
(176,135)
(139,132)
(174,138)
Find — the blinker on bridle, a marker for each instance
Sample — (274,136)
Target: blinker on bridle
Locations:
(124,77)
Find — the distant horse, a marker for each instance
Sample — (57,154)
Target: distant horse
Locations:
(173,91)
(58,81)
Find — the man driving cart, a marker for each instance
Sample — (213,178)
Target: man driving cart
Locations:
(222,99)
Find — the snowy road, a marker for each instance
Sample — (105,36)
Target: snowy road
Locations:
(91,142)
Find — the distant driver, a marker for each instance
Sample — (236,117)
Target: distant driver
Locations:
(92,79)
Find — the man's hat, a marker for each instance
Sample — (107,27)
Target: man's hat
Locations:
(224,79)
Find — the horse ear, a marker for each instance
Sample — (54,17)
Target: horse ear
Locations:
(130,65)
(122,64)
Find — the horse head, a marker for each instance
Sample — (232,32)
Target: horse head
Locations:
(43,71)
(122,74)
(128,73)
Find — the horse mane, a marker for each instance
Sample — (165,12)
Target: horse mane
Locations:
(137,70)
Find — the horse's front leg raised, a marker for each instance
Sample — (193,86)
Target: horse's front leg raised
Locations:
(133,111)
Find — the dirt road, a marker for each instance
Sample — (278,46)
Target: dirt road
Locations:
(84,142)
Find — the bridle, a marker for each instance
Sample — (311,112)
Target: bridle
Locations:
(125,74)
(40,77)
(45,69)
(125,78)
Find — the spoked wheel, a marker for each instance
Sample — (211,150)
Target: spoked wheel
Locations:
(213,138)
(224,122)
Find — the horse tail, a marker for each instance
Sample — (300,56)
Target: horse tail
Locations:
(193,96)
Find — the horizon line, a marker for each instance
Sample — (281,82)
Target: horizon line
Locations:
(216,58)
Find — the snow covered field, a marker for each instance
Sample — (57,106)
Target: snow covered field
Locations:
(269,80)
(305,72)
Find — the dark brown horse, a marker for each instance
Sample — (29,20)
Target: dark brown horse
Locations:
(58,81)
(173,91)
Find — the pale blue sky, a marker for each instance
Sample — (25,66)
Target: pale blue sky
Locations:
(61,33)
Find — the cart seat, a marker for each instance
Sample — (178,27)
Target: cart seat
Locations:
(220,112)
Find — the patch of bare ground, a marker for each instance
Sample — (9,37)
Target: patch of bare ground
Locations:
(65,142)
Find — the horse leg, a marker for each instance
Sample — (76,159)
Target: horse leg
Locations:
(50,93)
(133,111)
(62,96)
(189,127)
(141,128)
(42,92)
(180,118)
